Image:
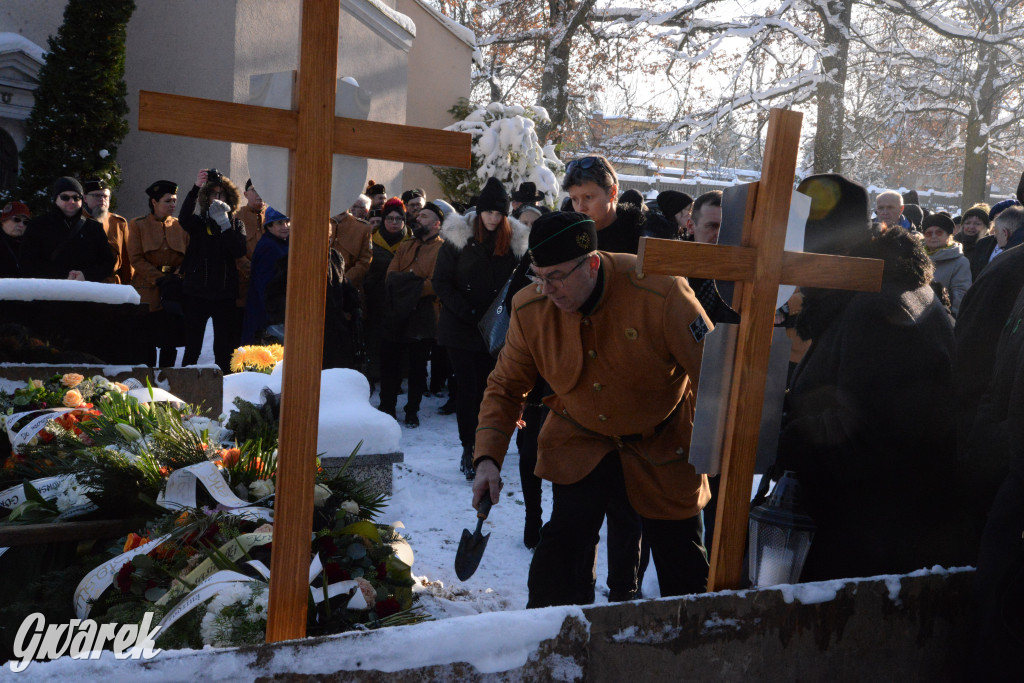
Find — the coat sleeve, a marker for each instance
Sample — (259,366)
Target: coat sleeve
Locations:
(188,205)
(686,324)
(234,239)
(145,273)
(446,285)
(356,272)
(507,387)
(959,283)
(101,265)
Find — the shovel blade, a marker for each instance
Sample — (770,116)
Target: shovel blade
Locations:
(471,549)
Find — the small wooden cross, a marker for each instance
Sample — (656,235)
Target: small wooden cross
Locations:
(313,134)
(758,267)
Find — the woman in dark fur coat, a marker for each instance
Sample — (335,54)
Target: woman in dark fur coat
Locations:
(868,427)
(210,276)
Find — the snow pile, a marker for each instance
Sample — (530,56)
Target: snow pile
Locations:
(506,145)
(346,416)
(31,289)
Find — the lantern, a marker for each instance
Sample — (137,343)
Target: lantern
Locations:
(780,535)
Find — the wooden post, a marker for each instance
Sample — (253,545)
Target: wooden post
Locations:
(314,133)
(758,267)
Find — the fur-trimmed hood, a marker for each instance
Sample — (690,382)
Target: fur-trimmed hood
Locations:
(233,199)
(457,230)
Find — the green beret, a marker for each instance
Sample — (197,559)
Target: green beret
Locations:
(561,236)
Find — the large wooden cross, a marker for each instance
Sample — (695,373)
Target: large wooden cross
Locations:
(758,266)
(313,134)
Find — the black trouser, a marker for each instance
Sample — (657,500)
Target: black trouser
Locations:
(391,354)
(707,517)
(440,368)
(472,368)
(563,567)
(225,331)
(164,334)
(526,443)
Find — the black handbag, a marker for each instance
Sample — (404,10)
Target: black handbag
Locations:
(494,324)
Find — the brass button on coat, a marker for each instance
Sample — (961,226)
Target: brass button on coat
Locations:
(597,386)
(602,418)
(592,353)
(586,321)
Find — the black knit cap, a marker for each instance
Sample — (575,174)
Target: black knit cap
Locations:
(66,184)
(94,184)
(671,202)
(160,188)
(976,212)
(938,220)
(561,236)
(493,198)
(839,217)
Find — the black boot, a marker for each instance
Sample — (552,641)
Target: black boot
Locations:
(467,464)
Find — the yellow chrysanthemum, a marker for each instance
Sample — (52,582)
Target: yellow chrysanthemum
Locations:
(262,358)
(237,359)
(277,350)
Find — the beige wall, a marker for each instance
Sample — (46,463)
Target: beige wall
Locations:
(440,68)
(210,49)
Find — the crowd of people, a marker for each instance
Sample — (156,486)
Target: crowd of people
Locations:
(901,420)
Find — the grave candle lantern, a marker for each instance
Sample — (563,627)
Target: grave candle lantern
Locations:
(780,535)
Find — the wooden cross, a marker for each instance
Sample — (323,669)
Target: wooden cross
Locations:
(313,134)
(758,267)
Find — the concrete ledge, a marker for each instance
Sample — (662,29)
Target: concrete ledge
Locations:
(374,468)
(201,386)
(910,628)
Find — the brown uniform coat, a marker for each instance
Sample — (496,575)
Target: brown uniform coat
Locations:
(116,228)
(154,245)
(629,369)
(352,240)
(253,222)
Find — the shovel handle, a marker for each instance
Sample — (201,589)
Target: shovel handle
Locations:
(485,507)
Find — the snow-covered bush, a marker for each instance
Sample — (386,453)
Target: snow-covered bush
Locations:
(506,147)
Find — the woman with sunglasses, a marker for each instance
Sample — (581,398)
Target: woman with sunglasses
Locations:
(64,244)
(13,220)
(477,257)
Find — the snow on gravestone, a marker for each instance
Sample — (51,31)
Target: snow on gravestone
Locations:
(346,418)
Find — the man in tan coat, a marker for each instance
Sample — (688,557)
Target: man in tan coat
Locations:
(351,237)
(252,217)
(622,354)
(97,206)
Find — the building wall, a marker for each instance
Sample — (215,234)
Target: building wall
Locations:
(440,70)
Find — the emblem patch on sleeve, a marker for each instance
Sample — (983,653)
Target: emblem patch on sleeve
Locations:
(699,329)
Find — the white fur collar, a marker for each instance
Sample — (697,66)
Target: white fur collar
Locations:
(457,230)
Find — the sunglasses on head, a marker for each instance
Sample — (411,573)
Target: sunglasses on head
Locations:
(70,197)
(583,163)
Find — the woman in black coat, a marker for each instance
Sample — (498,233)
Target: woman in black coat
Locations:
(868,427)
(210,277)
(475,261)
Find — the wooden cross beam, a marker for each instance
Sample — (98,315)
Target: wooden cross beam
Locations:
(758,267)
(313,134)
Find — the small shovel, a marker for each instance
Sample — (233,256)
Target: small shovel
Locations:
(471,547)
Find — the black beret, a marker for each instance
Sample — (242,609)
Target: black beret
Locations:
(94,184)
(431,206)
(561,236)
(160,188)
(671,202)
(376,188)
(937,220)
(839,213)
(412,194)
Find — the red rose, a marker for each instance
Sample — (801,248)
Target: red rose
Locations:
(385,608)
(382,571)
(124,577)
(328,547)
(334,573)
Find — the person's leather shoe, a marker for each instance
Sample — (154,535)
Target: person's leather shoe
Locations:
(447,409)
(531,533)
(412,421)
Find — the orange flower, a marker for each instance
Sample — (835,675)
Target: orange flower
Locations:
(72,399)
(71,380)
(229,456)
(182,519)
(134,541)
(165,472)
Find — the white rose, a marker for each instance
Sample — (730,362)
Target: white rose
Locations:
(261,488)
(320,495)
(350,506)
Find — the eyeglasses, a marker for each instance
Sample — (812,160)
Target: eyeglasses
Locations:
(98,195)
(70,197)
(558,281)
(395,218)
(18,219)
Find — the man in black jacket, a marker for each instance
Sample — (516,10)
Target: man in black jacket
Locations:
(64,244)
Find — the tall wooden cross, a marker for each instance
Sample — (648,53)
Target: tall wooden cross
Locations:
(313,134)
(758,266)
